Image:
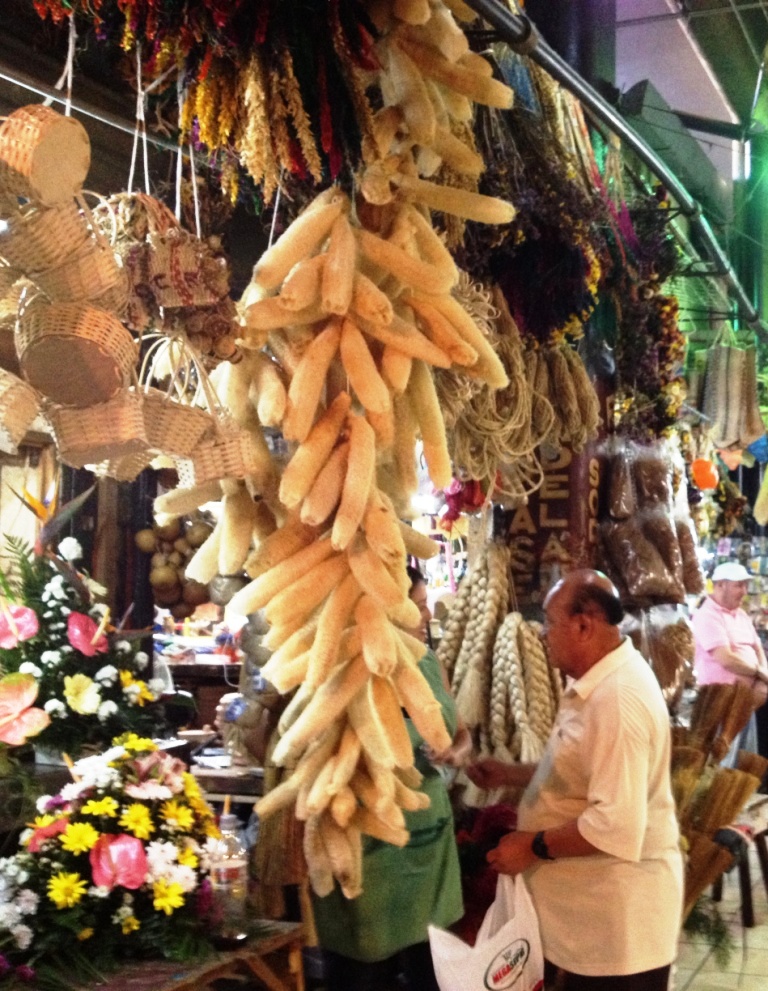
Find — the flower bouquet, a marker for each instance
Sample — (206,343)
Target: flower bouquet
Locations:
(90,681)
(114,866)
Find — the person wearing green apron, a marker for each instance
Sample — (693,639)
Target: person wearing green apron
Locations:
(370,940)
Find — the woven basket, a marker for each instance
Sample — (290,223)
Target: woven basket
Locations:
(177,272)
(93,274)
(8,276)
(44,156)
(38,239)
(172,427)
(231,454)
(75,354)
(110,431)
(18,408)
(124,468)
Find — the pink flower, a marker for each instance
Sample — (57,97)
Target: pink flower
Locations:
(81,633)
(18,720)
(118,860)
(44,833)
(17,623)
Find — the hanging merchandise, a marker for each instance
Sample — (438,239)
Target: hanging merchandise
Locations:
(730,402)
(647,531)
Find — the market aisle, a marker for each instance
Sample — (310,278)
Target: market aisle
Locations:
(748,967)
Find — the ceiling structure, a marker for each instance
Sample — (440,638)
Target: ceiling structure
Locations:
(703,56)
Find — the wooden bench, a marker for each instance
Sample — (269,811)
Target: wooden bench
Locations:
(282,942)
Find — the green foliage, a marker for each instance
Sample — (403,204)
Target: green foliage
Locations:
(705,920)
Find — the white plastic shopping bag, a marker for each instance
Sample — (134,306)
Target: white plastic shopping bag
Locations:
(507,953)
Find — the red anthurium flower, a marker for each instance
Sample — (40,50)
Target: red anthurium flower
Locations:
(17,623)
(45,833)
(81,631)
(18,719)
(118,860)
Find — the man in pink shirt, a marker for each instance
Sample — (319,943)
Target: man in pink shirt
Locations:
(728,648)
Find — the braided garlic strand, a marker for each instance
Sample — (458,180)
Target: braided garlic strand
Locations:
(538,689)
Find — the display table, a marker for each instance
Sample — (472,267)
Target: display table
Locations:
(281,942)
(241,783)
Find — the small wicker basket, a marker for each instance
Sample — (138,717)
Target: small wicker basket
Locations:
(110,431)
(232,453)
(38,239)
(124,468)
(73,353)
(44,156)
(18,408)
(172,427)
(93,274)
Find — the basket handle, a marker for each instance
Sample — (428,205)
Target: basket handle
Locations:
(186,360)
(103,204)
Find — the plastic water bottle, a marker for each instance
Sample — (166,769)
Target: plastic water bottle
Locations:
(229,878)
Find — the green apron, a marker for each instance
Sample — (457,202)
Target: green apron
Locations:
(404,889)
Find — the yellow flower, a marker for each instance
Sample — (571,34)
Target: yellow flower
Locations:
(137,820)
(130,924)
(85,934)
(191,787)
(143,695)
(188,858)
(41,821)
(179,815)
(66,890)
(106,806)
(139,744)
(79,837)
(82,694)
(167,896)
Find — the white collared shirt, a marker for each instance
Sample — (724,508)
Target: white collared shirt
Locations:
(606,765)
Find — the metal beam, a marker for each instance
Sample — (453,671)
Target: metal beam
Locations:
(519,32)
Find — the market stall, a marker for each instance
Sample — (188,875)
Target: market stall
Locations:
(465,292)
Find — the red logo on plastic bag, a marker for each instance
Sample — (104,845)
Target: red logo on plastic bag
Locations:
(507,966)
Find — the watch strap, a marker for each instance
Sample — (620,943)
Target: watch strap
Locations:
(539,846)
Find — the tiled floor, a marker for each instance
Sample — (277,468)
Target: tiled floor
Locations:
(747,970)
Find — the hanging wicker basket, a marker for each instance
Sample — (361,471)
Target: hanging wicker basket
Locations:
(73,353)
(18,408)
(37,239)
(93,274)
(108,432)
(172,427)
(232,453)
(44,156)
(124,468)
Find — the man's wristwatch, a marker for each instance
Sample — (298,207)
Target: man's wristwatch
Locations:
(539,846)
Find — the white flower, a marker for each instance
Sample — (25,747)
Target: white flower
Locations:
(132,692)
(123,647)
(65,611)
(184,876)
(22,876)
(26,836)
(67,649)
(72,791)
(27,667)
(23,936)
(141,659)
(42,803)
(99,891)
(70,549)
(98,609)
(156,686)
(161,856)
(106,709)
(9,915)
(27,901)
(50,658)
(55,708)
(107,675)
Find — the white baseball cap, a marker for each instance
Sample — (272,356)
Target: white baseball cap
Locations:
(730,572)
